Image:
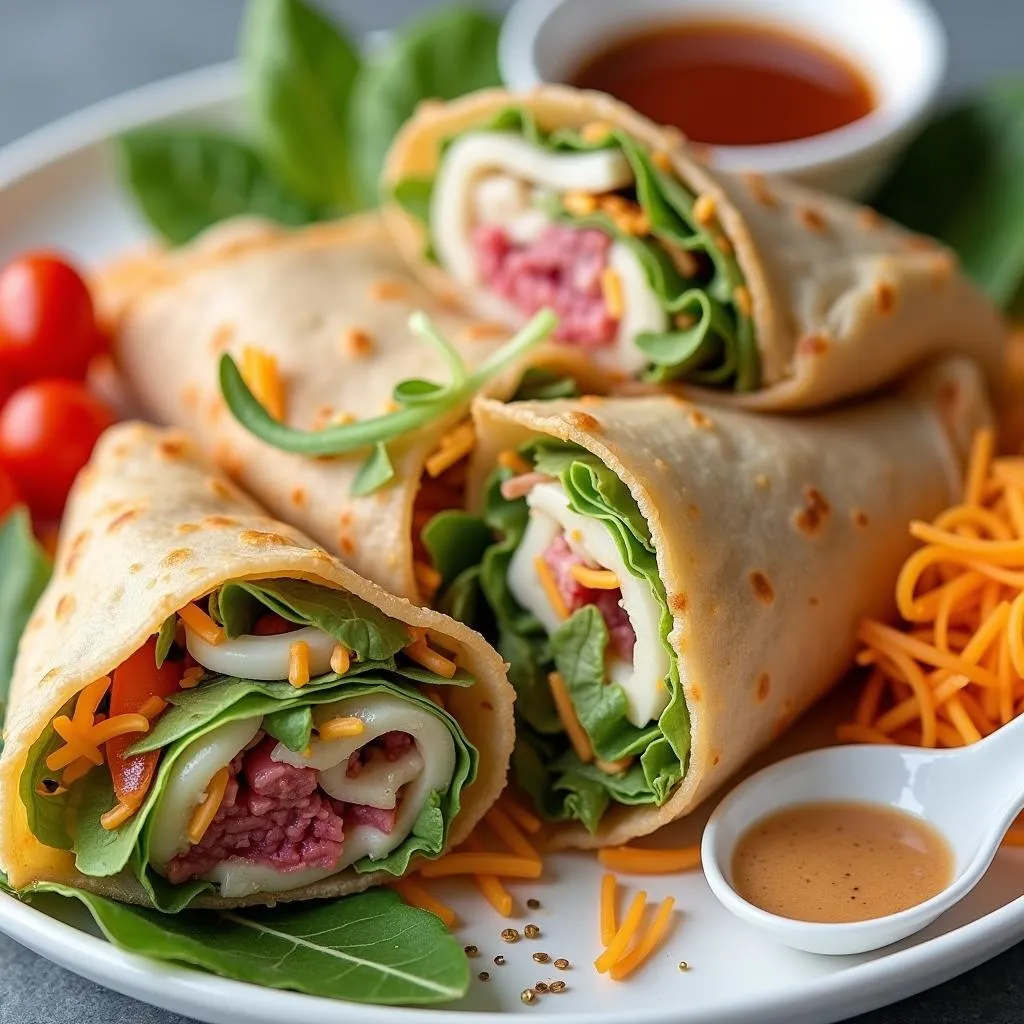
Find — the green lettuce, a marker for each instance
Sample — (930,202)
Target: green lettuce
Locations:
(717,347)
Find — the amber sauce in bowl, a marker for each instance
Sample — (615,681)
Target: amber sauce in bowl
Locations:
(840,862)
(732,83)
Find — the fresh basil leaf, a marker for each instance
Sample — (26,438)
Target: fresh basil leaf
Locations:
(165,639)
(975,203)
(440,56)
(367,948)
(186,179)
(299,71)
(376,472)
(293,727)
(24,572)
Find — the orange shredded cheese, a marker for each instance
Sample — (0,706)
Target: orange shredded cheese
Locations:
(647,944)
(505,829)
(547,581)
(637,861)
(207,810)
(201,624)
(152,707)
(512,460)
(260,372)
(490,886)
(611,291)
(341,660)
(428,579)
(625,932)
(455,445)
(298,663)
(88,701)
(76,770)
(341,728)
(567,713)
(595,579)
(503,865)
(116,816)
(520,815)
(190,677)
(609,889)
(953,672)
(579,204)
(416,896)
(420,652)
(77,744)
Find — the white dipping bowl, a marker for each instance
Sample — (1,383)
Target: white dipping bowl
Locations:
(900,46)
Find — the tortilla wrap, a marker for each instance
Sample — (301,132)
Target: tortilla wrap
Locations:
(774,538)
(840,300)
(150,527)
(331,303)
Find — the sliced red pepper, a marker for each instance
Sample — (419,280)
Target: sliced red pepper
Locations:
(135,681)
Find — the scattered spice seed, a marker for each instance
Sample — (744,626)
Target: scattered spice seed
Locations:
(528,995)
(499,960)
(541,958)
(562,964)
(541,986)
(511,935)
(683,965)
(471,951)
(557,986)
(531,931)
(533,904)
(484,976)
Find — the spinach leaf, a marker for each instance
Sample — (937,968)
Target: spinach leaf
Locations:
(299,71)
(101,852)
(455,541)
(293,727)
(962,180)
(367,948)
(186,179)
(440,56)
(24,572)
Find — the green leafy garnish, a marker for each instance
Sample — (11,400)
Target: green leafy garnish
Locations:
(420,402)
(367,948)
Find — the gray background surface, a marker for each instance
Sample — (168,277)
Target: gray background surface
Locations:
(57,56)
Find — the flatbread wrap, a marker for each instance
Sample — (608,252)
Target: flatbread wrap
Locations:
(328,307)
(765,293)
(673,584)
(208,709)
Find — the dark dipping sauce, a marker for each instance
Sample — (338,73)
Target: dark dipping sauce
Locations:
(731,84)
(840,862)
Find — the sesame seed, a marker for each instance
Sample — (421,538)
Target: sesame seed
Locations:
(471,951)
(528,995)
(541,986)
(562,964)
(541,958)
(510,935)
(557,986)
(533,904)
(531,931)
(499,960)
(484,976)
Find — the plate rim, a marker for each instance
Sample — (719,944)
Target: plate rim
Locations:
(860,988)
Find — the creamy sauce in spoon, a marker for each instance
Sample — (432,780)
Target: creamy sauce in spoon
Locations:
(840,862)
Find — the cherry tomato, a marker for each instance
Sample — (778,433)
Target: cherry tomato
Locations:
(135,681)
(6,389)
(47,432)
(47,324)
(9,496)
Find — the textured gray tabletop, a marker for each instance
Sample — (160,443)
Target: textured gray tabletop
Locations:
(57,56)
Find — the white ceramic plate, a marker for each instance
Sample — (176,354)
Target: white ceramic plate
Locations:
(58,188)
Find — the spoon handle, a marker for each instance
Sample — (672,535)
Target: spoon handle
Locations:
(996,765)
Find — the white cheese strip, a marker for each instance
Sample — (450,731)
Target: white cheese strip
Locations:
(642,678)
(641,310)
(478,155)
(263,658)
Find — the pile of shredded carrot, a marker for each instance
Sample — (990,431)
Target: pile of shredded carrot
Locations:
(953,672)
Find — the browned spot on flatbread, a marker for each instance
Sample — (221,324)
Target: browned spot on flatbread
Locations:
(345,519)
(356,342)
(759,189)
(693,510)
(762,587)
(65,606)
(347,546)
(942,266)
(860,518)
(190,396)
(221,338)
(123,519)
(813,601)
(812,345)
(298,497)
(484,330)
(678,603)
(176,557)
(920,243)
(388,290)
(220,488)
(815,513)
(186,528)
(764,687)
(761,482)
(591,400)
(215,408)
(174,448)
(885,297)
(583,421)
(811,218)
(695,693)
(135,567)
(321,555)
(220,521)
(715,758)
(869,219)
(260,538)
(700,420)
(75,551)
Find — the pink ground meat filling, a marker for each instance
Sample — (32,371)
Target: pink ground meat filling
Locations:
(560,270)
(560,559)
(275,814)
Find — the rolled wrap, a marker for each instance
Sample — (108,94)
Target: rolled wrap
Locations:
(150,527)
(331,303)
(836,299)
(774,538)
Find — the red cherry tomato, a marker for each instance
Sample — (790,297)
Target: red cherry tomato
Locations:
(9,496)
(6,389)
(47,324)
(135,681)
(47,432)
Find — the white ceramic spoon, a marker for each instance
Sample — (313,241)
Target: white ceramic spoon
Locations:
(971,795)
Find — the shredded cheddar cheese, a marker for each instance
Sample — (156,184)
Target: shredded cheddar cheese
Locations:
(201,624)
(260,372)
(207,810)
(424,655)
(76,770)
(520,815)
(298,664)
(953,672)
(594,579)
(547,581)
(152,707)
(428,579)
(611,291)
(416,896)
(647,944)
(505,829)
(633,860)
(512,460)
(455,445)
(490,886)
(116,816)
(88,701)
(625,932)
(567,714)
(190,677)
(341,728)
(341,660)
